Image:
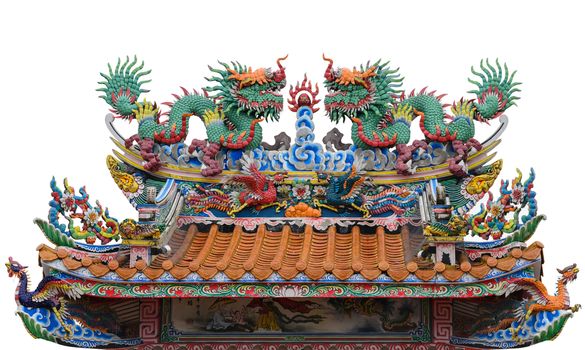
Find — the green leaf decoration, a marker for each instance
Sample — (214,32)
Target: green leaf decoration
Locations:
(35,329)
(526,231)
(552,330)
(54,235)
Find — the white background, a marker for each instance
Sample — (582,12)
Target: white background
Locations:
(52,121)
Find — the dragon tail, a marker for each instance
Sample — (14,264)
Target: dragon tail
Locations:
(391,199)
(495,92)
(391,130)
(204,199)
(122,86)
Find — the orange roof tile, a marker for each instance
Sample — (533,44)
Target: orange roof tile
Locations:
(287,253)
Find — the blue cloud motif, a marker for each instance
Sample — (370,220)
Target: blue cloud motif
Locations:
(338,161)
(378,159)
(177,154)
(305,126)
(82,335)
(232,158)
(306,154)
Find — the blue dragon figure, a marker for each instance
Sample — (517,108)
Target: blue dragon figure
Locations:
(354,190)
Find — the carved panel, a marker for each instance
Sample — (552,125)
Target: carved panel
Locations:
(150,320)
(442,320)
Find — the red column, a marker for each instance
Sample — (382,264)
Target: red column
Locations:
(442,320)
(150,316)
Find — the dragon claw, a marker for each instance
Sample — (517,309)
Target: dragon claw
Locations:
(280,206)
(66,327)
(232,212)
(68,332)
(318,204)
(515,335)
(363,209)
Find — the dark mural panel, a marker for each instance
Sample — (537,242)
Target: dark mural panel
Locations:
(298,316)
(483,315)
(115,316)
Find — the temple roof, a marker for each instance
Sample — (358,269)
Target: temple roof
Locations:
(308,255)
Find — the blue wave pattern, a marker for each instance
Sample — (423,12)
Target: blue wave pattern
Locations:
(82,336)
(305,154)
(99,248)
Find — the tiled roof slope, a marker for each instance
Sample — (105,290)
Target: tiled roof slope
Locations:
(287,253)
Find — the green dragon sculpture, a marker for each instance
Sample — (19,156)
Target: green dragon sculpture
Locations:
(231,110)
(382,114)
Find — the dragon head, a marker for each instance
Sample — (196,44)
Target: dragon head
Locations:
(14,268)
(250,92)
(356,93)
(569,273)
(481,184)
(323,176)
(458,225)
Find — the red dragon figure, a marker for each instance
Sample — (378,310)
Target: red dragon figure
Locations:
(539,294)
(253,189)
(259,190)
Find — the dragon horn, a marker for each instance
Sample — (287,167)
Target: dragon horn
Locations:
(280,75)
(279,60)
(329,70)
(568,268)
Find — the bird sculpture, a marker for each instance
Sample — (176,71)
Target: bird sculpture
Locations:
(542,300)
(49,294)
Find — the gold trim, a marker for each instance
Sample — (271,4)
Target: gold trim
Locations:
(141,243)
